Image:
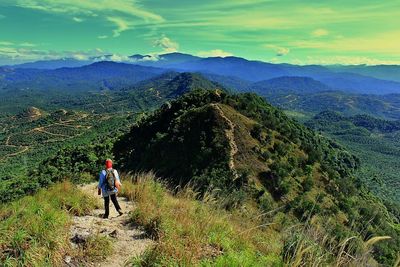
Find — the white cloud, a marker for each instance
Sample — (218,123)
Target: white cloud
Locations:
(214,53)
(2,16)
(27,44)
(16,55)
(91,7)
(24,44)
(320,33)
(102,37)
(166,44)
(5,43)
(76,19)
(111,10)
(122,25)
(280,51)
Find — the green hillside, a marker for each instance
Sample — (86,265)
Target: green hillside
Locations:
(249,152)
(383,106)
(374,141)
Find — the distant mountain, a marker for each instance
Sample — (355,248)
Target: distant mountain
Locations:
(289,85)
(164,60)
(385,72)
(52,64)
(173,58)
(256,71)
(238,72)
(97,76)
(386,106)
(330,121)
(355,83)
(171,85)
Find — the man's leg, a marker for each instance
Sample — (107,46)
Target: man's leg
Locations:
(106,206)
(115,202)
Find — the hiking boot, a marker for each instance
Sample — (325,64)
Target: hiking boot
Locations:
(105,216)
(120,212)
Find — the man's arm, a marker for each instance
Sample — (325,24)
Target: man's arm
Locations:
(117,180)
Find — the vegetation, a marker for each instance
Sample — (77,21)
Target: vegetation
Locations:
(277,163)
(383,106)
(35,229)
(374,141)
(193,231)
(241,182)
(28,141)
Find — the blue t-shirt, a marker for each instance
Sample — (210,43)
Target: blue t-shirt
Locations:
(103,183)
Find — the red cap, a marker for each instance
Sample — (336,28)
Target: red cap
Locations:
(108,163)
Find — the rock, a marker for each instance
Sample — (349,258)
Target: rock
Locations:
(67,259)
(79,239)
(113,234)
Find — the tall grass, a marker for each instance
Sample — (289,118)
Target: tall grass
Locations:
(309,244)
(34,230)
(192,232)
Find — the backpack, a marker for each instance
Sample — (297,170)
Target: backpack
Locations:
(110,180)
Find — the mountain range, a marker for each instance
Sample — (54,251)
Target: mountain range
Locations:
(234,71)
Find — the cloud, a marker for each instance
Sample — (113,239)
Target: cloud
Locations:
(214,53)
(91,7)
(111,10)
(166,44)
(346,60)
(102,37)
(319,33)
(27,44)
(5,43)
(76,19)
(122,25)
(16,55)
(24,44)
(383,43)
(280,51)
(2,16)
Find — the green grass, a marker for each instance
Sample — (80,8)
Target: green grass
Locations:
(34,231)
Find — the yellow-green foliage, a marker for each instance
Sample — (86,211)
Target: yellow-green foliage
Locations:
(34,230)
(191,232)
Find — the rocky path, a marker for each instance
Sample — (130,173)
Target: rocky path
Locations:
(230,135)
(128,241)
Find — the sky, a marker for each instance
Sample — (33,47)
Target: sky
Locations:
(278,31)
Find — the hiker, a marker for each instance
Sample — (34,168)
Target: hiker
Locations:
(109,184)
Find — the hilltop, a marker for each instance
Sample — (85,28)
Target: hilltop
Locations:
(31,113)
(252,153)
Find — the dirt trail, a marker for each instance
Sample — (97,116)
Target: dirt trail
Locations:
(230,135)
(128,241)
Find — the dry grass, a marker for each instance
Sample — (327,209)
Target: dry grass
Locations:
(190,232)
(310,245)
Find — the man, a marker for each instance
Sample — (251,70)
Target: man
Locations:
(109,184)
